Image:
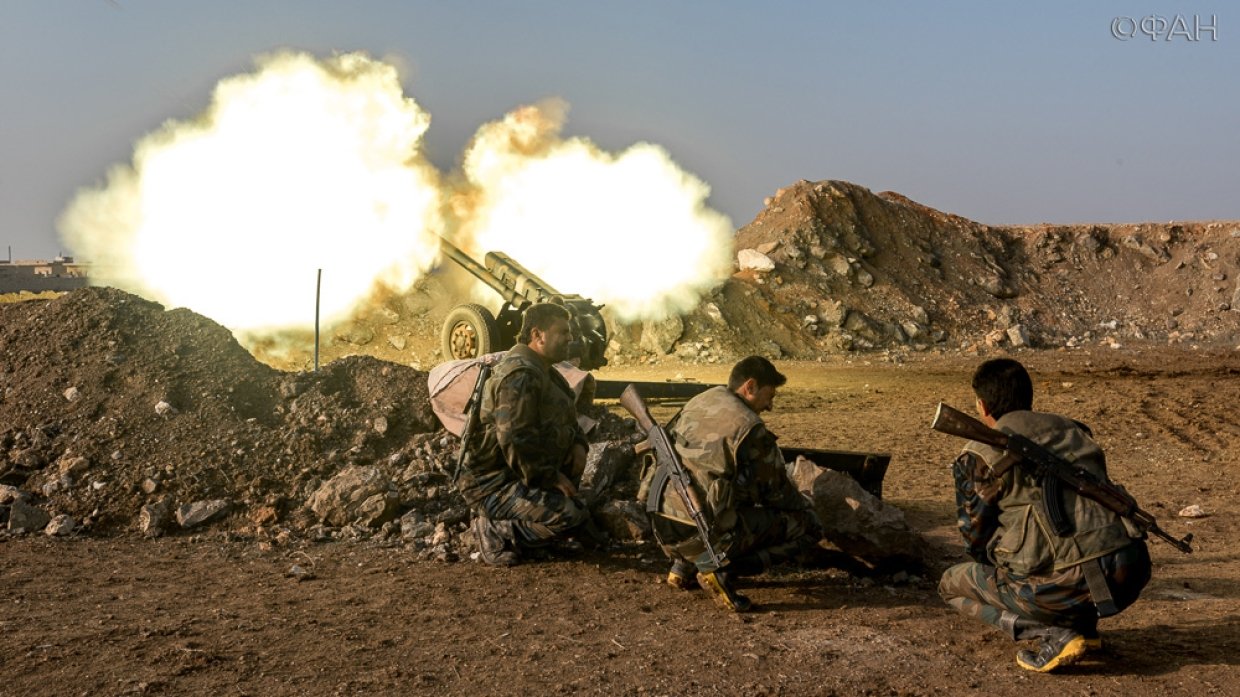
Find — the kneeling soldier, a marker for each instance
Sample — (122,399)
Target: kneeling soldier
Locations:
(756,515)
(1028,581)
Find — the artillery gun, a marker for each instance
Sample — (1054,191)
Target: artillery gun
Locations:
(472,330)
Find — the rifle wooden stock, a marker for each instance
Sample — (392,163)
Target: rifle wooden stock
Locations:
(633,403)
(954,422)
(1040,462)
(666,456)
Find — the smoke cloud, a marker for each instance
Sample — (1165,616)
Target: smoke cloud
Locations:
(312,164)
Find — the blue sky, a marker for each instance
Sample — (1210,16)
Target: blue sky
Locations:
(1000,112)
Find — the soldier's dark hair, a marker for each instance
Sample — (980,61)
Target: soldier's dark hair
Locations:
(540,316)
(1003,385)
(758,368)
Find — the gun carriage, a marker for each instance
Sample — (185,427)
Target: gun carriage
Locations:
(471,330)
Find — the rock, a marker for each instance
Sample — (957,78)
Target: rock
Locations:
(26,518)
(624,520)
(163,408)
(832,313)
(1018,336)
(1133,242)
(659,336)
(380,424)
(838,264)
(770,350)
(864,278)
(9,494)
(1235,299)
(356,334)
(72,394)
(606,463)
(60,526)
(712,313)
(855,520)
(911,329)
(194,514)
(1193,511)
(920,315)
(767,247)
(414,525)
(355,494)
(149,486)
(153,518)
(398,342)
(62,483)
(73,464)
(862,326)
(441,535)
(753,260)
(300,573)
(385,315)
(994,285)
(1089,242)
(264,515)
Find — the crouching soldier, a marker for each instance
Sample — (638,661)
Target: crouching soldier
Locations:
(1028,581)
(756,515)
(518,471)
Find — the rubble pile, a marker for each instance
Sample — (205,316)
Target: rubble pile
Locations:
(830,267)
(118,416)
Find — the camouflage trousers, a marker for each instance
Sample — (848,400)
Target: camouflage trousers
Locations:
(538,515)
(760,538)
(1060,599)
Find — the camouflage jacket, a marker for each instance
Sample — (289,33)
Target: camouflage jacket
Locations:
(734,460)
(1001,515)
(527,427)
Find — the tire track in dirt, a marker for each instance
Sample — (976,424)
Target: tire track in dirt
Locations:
(1181,419)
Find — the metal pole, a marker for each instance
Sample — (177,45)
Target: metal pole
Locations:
(318,285)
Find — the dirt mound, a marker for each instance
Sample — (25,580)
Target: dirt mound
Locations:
(125,417)
(850,269)
(110,403)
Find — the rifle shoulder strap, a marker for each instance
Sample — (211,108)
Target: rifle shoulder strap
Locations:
(1099,589)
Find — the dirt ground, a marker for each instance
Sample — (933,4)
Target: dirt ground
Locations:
(217,613)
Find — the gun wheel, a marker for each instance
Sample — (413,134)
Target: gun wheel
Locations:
(468,332)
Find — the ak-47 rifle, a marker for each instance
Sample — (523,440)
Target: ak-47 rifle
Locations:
(672,468)
(1042,463)
(473,407)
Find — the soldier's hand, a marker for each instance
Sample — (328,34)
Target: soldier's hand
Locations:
(565,486)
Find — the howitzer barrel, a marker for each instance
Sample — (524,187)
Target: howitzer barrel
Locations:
(521,280)
(480,272)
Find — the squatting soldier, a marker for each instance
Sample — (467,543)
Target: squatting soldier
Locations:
(1027,581)
(517,470)
(756,515)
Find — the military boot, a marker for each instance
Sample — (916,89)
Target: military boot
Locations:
(494,547)
(1060,646)
(717,584)
(682,575)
